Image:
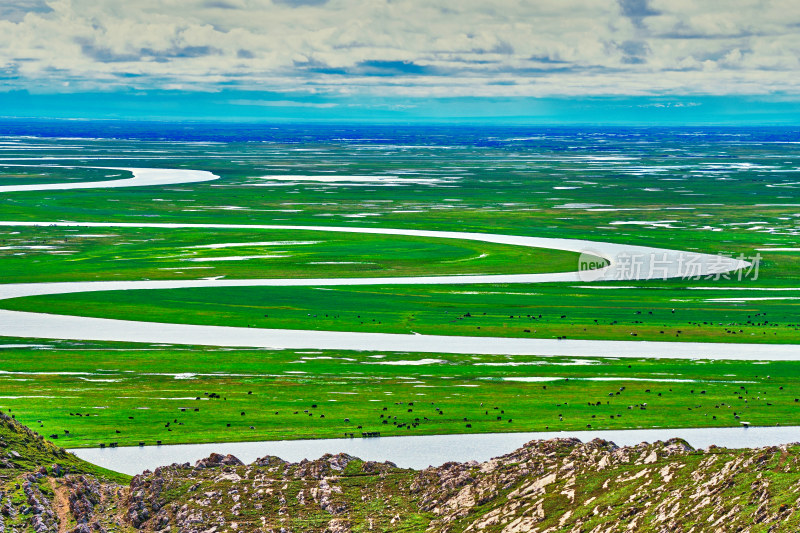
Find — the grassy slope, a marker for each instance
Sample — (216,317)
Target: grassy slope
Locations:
(25,451)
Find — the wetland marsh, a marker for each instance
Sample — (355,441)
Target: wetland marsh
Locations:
(711,191)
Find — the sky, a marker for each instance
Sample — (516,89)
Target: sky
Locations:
(382,60)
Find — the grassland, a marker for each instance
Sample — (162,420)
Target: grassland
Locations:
(19,174)
(42,254)
(105,392)
(732,192)
(677,313)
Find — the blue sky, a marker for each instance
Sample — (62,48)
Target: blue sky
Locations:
(554,61)
(239,106)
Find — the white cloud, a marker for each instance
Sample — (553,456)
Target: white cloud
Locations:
(406,47)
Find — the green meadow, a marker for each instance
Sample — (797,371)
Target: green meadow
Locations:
(113,392)
(647,312)
(40,254)
(715,194)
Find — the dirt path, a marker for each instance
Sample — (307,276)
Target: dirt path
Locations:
(61,504)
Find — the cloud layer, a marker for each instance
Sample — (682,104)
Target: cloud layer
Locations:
(404,47)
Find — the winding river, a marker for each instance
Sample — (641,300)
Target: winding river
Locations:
(624,262)
(669,262)
(416,451)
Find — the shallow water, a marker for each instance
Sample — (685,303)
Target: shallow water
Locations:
(655,262)
(44,326)
(141,177)
(422,451)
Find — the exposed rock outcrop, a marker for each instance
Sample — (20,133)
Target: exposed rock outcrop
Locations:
(545,486)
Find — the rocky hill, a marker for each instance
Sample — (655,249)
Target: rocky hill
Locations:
(555,485)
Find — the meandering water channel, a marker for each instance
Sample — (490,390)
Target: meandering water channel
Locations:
(652,263)
(412,451)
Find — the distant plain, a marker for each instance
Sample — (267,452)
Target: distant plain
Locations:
(716,191)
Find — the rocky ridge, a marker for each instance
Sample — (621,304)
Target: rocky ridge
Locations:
(545,486)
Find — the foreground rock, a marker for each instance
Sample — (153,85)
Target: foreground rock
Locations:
(545,486)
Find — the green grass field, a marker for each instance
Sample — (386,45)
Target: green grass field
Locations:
(105,392)
(40,254)
(14,174)
(648,312)
(714,194)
